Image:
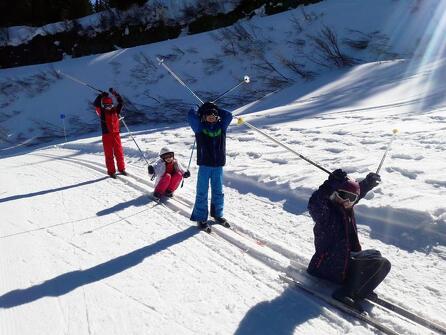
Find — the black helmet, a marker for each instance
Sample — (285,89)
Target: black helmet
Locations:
(208,108)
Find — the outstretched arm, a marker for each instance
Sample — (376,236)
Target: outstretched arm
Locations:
(97,104)
(194,120)
(118,98)
(371,180)
(318,205)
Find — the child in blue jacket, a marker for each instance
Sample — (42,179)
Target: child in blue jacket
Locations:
(209,124)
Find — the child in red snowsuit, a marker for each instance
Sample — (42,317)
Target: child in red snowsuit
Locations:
(168,172)
(111,138)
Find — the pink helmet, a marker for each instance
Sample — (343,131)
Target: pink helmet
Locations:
(350,185)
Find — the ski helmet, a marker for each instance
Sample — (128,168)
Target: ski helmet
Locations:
(208,108)
(107,102)
(350,185)
(165,150)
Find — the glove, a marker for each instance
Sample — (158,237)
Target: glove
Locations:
(338,175)
(104,94)
(373,179)
(112,91)
(151,169)
(186,174)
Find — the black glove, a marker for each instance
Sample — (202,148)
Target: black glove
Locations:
(104,94)
(373,179)
(151,169)
(337,175)
(186,174)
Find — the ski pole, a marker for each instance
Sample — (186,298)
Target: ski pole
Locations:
(190,160)
(79,81)
(131,136)
(62,116)
(395,131)
(161,62)
(241,121)
(245,80)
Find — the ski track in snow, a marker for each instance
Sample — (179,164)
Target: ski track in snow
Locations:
(275,217)
(220,254)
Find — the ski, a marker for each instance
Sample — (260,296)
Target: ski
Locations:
(296,266)
(364,317)
(407,314)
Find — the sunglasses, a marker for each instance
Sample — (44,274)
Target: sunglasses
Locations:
(345,195)
(212,113)
(166,156)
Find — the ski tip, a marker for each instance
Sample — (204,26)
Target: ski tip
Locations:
(247,79)
(160,60)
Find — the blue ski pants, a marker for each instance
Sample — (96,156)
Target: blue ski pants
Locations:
(215,176)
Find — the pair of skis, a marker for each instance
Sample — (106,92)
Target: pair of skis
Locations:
(364,316)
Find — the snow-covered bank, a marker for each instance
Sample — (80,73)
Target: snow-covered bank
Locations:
(85,254)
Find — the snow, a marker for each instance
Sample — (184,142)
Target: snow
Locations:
(86,254)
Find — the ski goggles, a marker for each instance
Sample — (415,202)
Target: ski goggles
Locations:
(346,195)
(107,105)
(167,156)
(211,112)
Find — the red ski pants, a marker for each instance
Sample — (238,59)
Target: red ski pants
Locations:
(169,182)
(113,149)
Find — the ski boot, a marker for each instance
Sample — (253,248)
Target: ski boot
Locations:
(169,194)
(204,225)
(342,295)
(222,221)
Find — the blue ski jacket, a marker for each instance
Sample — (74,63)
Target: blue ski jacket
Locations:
(211,138)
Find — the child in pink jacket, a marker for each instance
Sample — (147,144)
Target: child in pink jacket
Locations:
(168,172)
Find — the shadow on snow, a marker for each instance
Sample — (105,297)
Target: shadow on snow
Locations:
(69,281)
(30,195)
(142,200)
(279,316)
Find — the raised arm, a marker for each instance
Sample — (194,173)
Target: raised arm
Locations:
(370,181)
(226,118)
(118,99)
(194,120)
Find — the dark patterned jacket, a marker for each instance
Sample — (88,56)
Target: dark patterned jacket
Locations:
(335,233)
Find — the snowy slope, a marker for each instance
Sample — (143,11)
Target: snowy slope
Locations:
(84,254)
(33,97)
